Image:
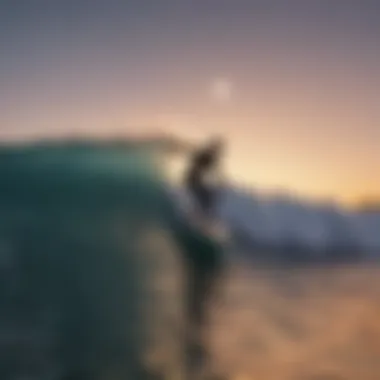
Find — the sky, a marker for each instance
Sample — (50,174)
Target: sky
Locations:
(293,86)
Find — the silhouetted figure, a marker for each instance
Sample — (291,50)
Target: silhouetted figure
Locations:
(204,162)
(204,262)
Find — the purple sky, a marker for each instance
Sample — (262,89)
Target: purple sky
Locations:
(303,79)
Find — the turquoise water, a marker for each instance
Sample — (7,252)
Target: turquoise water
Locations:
(96,253)
(75,222)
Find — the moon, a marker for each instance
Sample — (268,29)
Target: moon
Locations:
(221,89)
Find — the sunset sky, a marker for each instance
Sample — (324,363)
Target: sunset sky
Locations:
(293,85)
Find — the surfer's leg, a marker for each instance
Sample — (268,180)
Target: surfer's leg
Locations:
(204,289)
(196,320)
(195,300)
(202,293)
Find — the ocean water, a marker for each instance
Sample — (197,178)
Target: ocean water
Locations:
(92,283)
(298,324)
(84,244)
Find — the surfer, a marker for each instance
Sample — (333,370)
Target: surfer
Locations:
(204,263)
